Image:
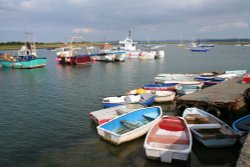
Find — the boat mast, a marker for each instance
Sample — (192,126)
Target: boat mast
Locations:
(30,45)
(129,34)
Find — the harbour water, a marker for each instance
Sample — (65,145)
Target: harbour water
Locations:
(44,112)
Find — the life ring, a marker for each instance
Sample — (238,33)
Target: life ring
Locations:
(180,108)
(214,111)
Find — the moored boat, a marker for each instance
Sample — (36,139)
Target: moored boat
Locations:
(108,53)
(105,115)
(208,129)
(199,49)
(160,95)
(127,44)
(129,126)
(169,139)
(242,124)
(156,50)
(188,88)
(145,99)
(159,87)
(174,78)
(246,78)
(26,57)
(73,54)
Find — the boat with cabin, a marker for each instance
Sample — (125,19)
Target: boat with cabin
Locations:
(26,57)
(76,53)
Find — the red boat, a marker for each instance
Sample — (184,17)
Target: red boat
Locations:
(73,54)
(246,78)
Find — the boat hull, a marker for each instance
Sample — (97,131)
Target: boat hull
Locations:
(168,141)
(105,115)
(36,63)
(78,60)
(145,99)
(160,87)
(117,133)
(216,142)
(208,129)
(160,96)
(242,124)
(174,78)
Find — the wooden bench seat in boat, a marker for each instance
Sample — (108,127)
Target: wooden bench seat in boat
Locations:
(168,139)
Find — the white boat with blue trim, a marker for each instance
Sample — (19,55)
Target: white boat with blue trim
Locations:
(208,129)
(129,126)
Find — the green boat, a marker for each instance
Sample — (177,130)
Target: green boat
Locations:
(26,58)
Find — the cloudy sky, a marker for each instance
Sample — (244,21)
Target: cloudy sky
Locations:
(105,20)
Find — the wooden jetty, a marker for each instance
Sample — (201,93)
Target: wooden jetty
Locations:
(227,95)
(244,158)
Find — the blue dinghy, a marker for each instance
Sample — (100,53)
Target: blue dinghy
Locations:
(159,86)
(242,124)
(130,126)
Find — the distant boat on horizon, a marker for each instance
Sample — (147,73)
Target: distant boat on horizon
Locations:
(238,44)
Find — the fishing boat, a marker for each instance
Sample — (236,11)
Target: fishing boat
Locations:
(156,50)
(242,124)
(105,57)
(160,95)
(159,86)
(169,139)
(26,57)
(105,115)
(74,54)
(145,99)
(189,87)
(208,129)
(127,44)
(129,126)
(148,55)
(174,78)
(108,53)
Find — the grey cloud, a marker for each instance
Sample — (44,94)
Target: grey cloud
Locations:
(162,19)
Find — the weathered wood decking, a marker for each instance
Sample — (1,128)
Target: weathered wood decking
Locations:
(228,94)
(244,158)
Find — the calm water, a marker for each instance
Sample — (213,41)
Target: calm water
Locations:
(44,112)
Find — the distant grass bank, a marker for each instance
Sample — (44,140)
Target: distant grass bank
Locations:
(17,45)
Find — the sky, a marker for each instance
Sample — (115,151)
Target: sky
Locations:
(110,20)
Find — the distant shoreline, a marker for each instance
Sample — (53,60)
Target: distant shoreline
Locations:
(17,45)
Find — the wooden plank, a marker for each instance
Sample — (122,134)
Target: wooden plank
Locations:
(228,93)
